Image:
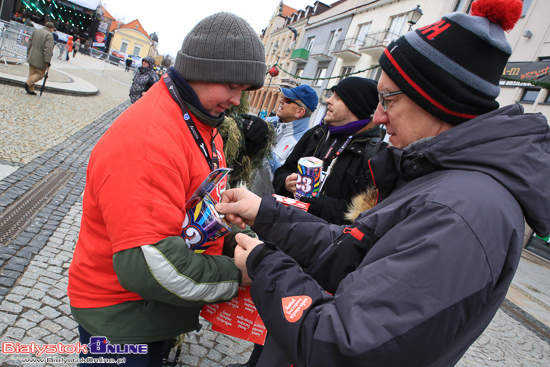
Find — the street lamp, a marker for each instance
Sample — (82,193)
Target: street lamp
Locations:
(413,16)
(273,72)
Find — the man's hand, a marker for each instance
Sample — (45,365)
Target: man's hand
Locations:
(48,65)
(245,244)
(240,206)
(290,183)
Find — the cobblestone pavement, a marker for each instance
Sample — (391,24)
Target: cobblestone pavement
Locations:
(33,266)
(32,125)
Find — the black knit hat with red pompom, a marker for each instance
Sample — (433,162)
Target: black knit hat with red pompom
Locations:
(452,68)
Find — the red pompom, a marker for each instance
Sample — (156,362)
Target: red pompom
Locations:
(274,71)
(503,12)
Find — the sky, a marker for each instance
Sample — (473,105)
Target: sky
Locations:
(173,19)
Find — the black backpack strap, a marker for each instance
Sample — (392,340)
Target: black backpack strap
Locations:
(374,146)
(371,149)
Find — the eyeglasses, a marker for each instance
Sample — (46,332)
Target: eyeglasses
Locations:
(289,101)
(385,94)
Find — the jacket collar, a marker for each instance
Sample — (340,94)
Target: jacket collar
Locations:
(292,128)
(192,101)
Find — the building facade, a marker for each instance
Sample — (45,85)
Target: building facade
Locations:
(530,60)
(281,37)
(132,40)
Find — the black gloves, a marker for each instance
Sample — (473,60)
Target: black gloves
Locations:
(255,133)
(315,204)
(49,64)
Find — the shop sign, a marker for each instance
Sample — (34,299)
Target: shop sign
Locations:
(523,71)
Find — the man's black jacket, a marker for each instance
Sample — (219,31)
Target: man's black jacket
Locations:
(349,177)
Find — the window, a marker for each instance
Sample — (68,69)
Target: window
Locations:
(396,27)
(460,6)
(334,36)
(124,46)
(362,32)
(526,4)
(309,43)
(318,75)
(137,50)
(346,70)
(375,73)
(299,72)
(529,95)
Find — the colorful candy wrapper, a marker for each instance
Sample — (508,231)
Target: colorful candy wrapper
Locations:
(291,202)
(203,224)
(310,172)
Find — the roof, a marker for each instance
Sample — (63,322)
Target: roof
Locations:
(135,24)
(115,24)
(288,11)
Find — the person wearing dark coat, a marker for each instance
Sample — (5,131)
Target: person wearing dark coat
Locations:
(345,142)
(145,77)
(128,63)
(416,279)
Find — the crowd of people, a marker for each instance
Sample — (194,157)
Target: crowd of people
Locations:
(403,256)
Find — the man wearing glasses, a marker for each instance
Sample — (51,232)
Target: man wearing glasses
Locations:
(295,108)
(345,142)
(291,122)
(417,278)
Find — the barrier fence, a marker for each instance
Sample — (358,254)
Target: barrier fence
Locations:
(14,38)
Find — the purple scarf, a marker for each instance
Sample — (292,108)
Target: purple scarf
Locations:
(349,128)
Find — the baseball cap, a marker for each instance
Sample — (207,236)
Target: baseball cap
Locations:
(304,93)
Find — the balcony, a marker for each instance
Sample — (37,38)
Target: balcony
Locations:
(289,82)
(348,49)
(324,55)
(299,55)
(375,43)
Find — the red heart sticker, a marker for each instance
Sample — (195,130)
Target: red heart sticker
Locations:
(99,37)
(293,307)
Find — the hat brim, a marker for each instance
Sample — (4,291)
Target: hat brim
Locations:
(288,93)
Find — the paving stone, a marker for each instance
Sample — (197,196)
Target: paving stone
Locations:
(42,285)
(47,300)
(66,322)
(36,294)
(68,335)
(56,293)
(49,281)
(6,282)
(27,282)
(10,307)
(38,332)
(14,298)
(31,303)
(4,291)
(14,333)
(16,267)
(7,319)
(25,324)
(55,276)
(23,291)
(33,316)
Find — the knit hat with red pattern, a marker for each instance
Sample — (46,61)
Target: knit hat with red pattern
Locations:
(452,68)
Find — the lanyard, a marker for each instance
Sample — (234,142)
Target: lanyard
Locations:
(339,150)
(213,162)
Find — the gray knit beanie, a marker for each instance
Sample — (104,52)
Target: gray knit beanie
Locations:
(223,48)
